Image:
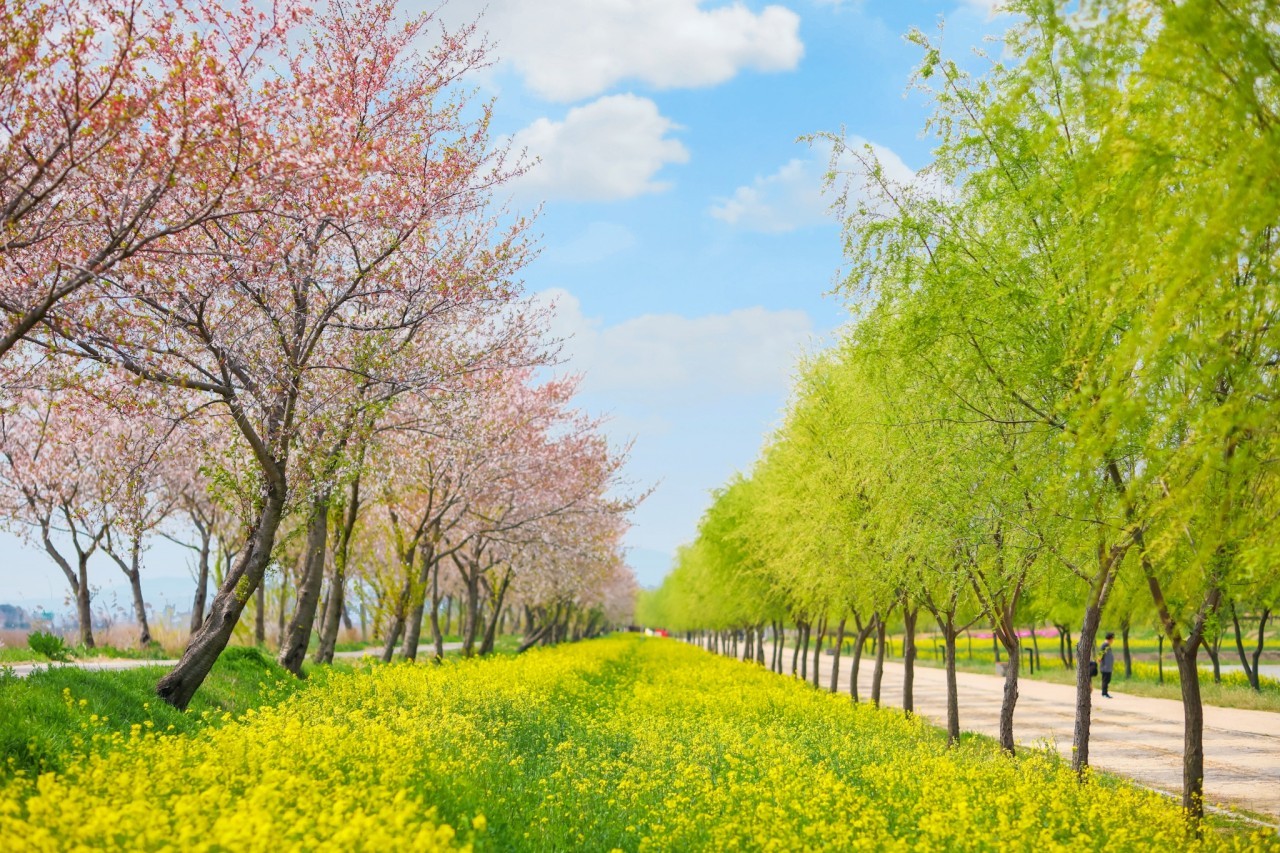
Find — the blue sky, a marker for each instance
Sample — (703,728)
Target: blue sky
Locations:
(685,240)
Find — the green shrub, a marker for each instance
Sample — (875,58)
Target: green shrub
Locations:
(49,645)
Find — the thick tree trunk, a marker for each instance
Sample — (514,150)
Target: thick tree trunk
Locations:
(202,580)
(835,661)
(293,649)
(84,610)
(909,615)
(1193,730)
(205,645)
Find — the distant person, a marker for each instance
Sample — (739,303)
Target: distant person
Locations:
(1107,664)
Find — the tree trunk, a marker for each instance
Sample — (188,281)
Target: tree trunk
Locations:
(260,614)
(1251,667)
(1099,592)
(909,615)
(877,675)
(817,649)
(202,580)
(84,611)
(835,662)
(139,605)
(486,645)
(1193,730)
(205,645)
(1124,643)
(335,612)
(805,631)
(795,653)
(1009,639)
(864,631)
(953,693)
(293,649)
(418,606)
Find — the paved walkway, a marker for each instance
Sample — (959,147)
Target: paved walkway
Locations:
(1134,736)
(21,669)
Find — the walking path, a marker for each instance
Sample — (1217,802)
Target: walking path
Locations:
(22,669)
(1133,736)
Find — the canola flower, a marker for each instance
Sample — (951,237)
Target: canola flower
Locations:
(622,743)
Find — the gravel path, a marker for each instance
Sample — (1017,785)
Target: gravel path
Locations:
(1134,736)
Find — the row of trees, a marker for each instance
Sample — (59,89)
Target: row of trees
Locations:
(1059,389)
(260,294)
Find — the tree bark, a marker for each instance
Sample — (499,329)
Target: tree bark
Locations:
(1124,642)
(817,649)
(293,649)
(1099,592)
(864,631)
(335,611)
(909,615)
(953,693)
(877,676)
(202,579)
(486,645)
(1009,639)
(835,662)
(260,615)
(205,645)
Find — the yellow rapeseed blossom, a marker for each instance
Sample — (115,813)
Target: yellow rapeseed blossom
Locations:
(621,744)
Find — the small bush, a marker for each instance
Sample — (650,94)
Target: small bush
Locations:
(49,645)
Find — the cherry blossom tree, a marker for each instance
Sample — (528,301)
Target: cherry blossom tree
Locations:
(121,124)
(378,238)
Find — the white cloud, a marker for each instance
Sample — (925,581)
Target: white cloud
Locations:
(793,197)
(611,148)
(668,358)
(568,50)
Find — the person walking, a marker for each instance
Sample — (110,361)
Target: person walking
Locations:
(1107,663)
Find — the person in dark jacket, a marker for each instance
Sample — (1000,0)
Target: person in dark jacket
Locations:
(1107,663)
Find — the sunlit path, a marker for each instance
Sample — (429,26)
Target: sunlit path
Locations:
(1135,736)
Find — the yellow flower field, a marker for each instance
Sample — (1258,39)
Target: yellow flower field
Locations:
(622,743)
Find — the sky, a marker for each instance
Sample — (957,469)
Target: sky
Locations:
(686,242)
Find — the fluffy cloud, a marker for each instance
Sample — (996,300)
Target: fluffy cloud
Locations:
(793,196)
(568,50)
(669,358)
(611,148)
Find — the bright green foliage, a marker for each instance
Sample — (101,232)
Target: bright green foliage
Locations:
(1061,384)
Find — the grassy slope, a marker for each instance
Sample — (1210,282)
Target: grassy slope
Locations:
(41,727)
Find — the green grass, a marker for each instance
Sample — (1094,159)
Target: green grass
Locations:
(44,713)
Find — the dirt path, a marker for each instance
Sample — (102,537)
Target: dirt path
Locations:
(1134,736)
